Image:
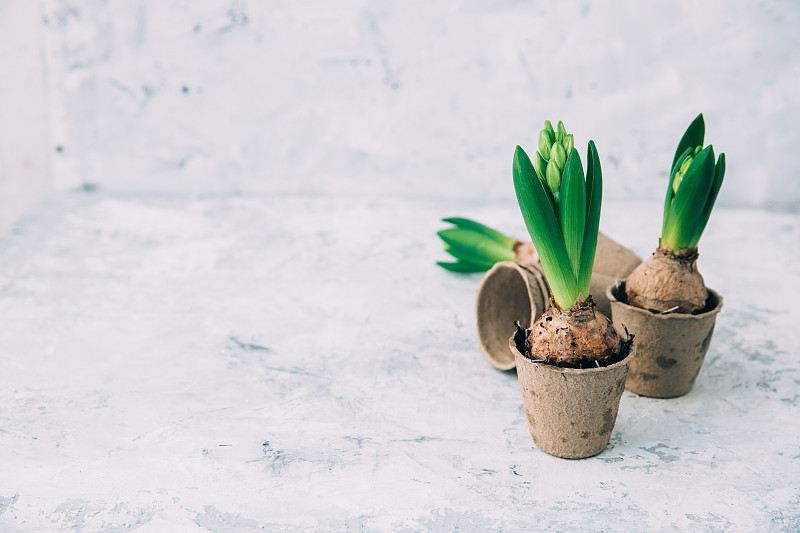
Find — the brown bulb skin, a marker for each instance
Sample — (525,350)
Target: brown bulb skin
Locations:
(579,337)
(668,282)
(525,252)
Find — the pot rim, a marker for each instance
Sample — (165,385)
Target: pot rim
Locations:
(612,298)
(568,370)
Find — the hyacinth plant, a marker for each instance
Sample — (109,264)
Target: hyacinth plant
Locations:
(561,209)
(694,183)
(477,247)
(669,280)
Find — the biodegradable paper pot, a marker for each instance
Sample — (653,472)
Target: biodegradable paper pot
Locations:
(517,291)
(510,292)
(669,348)
(571,412)
(613,259)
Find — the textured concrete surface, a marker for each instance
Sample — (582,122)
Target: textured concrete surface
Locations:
(298,363)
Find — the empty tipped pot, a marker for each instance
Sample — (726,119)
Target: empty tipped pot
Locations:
(516,291)
(510,292)
(571,412)
(613,259)
(670,348)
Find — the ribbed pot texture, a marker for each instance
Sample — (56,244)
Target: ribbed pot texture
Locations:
(670,348)
(571,412)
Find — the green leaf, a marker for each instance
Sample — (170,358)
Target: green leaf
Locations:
(463,266)
(687,208)
(670,193)
(540,166)
(550,197)
(473,246)
(719,174)
(465,223)
(537,210)
(594,198)
(692,138)
(572,212)
(463,253)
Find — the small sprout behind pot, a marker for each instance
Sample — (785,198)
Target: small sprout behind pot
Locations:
(475,246)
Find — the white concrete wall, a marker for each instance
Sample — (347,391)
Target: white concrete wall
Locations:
(405,98)
(417,97)
(25,146)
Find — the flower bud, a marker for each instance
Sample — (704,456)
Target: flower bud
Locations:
(548,127)
(545,142)
(676,182)
(553,177)
(685,166)
(561,132)
(569,144)
(558,155)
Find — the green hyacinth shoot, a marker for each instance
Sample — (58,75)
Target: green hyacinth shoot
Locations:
(694,183)
(475,246)
(562,216)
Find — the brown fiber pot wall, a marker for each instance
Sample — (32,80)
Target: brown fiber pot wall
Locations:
(613,259)
(670,348)
(517,291)
(508,293)
(571,412)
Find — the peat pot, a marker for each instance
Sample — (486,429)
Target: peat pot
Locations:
(571,412)
(670,348)
(516,291)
